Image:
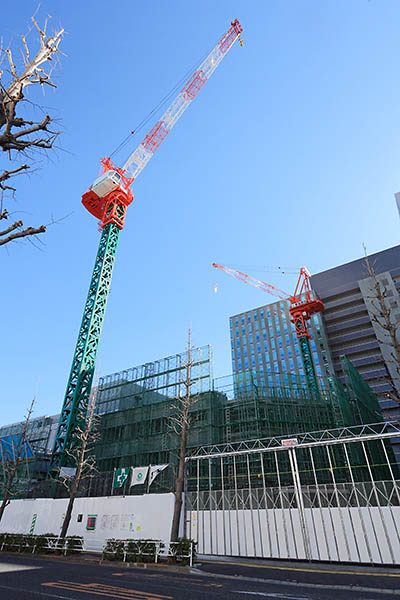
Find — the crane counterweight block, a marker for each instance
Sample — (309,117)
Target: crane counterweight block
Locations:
(109,196)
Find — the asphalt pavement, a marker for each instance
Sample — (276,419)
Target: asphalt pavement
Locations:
(37,578)
(316,574)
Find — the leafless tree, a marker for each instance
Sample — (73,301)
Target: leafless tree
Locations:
(81,459)
(12,458)
(386,326)
(180,424)
(20,136)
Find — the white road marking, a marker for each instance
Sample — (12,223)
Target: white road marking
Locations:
(8,567)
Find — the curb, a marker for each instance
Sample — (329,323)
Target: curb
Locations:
(351,588)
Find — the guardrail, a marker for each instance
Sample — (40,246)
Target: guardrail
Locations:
(32,543)
(152,550)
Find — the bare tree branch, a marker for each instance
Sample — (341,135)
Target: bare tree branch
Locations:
(11,484)
(23,233)
(386,329)
(180,423)
(18,134)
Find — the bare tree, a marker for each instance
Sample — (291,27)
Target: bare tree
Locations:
(12,458)
(387,328)
(20,136)
(180,424)
(82,460)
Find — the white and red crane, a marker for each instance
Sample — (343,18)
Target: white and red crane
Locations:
(107,199)
(303,305)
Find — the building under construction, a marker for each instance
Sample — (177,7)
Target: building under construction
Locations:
(136,408)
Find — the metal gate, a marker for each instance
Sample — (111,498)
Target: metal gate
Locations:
(329,496)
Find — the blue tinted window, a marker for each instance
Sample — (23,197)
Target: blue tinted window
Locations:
(246,363)
(250,327)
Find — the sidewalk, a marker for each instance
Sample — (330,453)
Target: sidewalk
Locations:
(305,573)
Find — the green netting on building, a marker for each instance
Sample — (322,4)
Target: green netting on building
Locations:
(136,417)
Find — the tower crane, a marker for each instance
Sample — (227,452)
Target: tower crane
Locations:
(107,199)
(302,305)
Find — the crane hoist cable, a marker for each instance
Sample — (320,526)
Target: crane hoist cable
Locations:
(160,104)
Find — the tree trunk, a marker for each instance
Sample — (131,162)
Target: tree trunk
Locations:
(68,514)
(179,486)
(4,504)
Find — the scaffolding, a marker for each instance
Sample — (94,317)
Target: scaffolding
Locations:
(136,406)
(136,409)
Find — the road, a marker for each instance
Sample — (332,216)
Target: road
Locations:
(26,578)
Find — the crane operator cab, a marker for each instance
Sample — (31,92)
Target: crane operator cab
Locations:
(107,182)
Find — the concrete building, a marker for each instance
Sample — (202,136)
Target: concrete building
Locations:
(348,318)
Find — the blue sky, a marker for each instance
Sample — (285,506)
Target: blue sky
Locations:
(289,155)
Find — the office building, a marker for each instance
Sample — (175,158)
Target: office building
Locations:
(349,322)
(265,348)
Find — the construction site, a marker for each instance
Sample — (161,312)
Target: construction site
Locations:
(282,422)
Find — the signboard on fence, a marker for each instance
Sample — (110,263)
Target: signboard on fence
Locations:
(290,442)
